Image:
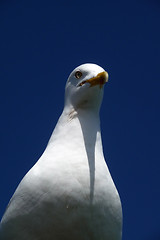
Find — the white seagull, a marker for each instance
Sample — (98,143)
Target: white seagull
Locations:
(69,193)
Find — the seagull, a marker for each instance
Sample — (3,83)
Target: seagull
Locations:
(69,193)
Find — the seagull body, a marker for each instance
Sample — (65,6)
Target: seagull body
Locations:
(69,193)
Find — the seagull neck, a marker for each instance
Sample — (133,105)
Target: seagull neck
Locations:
(88,116)
(80,124)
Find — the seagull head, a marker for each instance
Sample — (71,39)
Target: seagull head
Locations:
(84,87)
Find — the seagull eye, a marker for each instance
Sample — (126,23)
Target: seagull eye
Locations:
(78,74)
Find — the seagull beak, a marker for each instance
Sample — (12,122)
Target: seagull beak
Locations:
(100,80)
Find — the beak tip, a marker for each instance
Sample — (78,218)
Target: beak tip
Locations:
(107,76)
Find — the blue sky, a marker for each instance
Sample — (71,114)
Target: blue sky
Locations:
(41,42)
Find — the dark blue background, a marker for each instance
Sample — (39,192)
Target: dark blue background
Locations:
(41,42)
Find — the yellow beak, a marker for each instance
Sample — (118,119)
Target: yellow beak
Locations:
(100,79)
